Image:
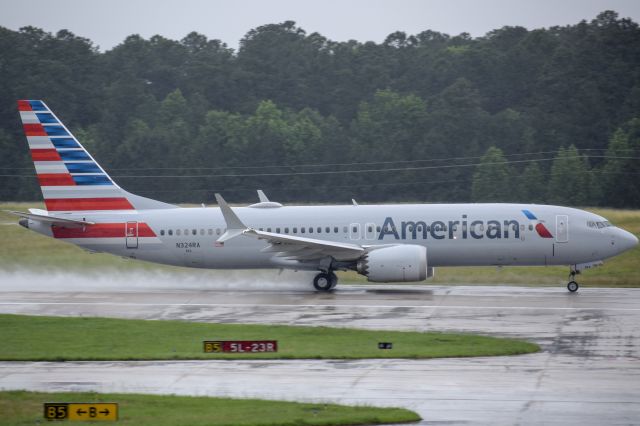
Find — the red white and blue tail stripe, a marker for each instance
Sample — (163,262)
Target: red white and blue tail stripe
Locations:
(70,179)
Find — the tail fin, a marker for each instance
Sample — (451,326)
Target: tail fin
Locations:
(70,179)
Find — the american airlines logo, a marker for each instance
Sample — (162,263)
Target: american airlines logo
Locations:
(453,229)
(463,229)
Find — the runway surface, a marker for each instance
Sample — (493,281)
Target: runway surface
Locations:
(588,372)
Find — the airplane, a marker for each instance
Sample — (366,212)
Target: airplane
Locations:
(385,243)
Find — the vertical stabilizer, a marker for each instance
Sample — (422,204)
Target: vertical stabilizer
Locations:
(70,179)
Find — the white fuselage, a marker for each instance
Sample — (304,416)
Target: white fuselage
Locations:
(454,234)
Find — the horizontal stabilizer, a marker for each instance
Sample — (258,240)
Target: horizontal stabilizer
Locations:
(54,220)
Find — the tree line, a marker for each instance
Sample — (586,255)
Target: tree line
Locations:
(545,115)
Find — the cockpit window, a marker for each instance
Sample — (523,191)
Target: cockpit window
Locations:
(591,224)
(607,223)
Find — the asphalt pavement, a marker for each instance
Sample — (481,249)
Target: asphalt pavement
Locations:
(587,373)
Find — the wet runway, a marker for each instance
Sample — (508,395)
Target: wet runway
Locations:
(588,372)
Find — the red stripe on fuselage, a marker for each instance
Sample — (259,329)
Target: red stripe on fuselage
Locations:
(71,204)
(24,106)
(100,230)
(34,129)
(49,154)
(56,179)
(543,231)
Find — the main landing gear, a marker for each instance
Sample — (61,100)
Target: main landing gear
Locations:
(325,281)
(573,286)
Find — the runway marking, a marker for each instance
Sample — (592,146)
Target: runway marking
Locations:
(247,305)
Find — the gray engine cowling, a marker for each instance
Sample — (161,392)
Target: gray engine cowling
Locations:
(401,263)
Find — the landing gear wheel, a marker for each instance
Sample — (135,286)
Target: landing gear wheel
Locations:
(324,282)
(572,286)
(334,280)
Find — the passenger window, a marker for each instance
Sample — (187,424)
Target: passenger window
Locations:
(530,227)
(177,232)
(162,232)
(170,231)
(319,230)
(369,228)
(286,230)
(194,231)
(335,229)
(378,228)
(277,230)
(210,231)
(268,229)
(302,230)
(295,230)
(327,230)
(354,229)
(345,229)
(217,231)
(310,230)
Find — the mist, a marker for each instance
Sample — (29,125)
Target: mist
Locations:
(144,280)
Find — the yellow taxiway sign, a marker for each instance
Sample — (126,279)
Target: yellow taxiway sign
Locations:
(90,411)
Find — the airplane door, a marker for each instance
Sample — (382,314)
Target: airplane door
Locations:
(562,228)
(354,231)
(131,232)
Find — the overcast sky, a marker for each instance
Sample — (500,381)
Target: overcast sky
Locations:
(107,23)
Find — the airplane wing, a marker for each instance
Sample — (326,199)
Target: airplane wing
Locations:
(288,246)
(54,220)
(302,248)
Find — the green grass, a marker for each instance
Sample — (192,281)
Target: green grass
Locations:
(63,339)
(26,408)
(23,249)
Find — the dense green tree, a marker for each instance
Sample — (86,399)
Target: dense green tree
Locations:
(621,171)
(569,180)
(492,180)
(303,116)
(532,184)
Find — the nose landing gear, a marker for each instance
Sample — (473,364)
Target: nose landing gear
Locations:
(573,286)
(325,281)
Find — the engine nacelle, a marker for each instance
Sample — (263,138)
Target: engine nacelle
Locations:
(401,263)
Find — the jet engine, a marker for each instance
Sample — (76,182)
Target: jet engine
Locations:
(401,263)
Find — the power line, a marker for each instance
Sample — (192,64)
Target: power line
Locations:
(355,185)
(333,172)
(336,164)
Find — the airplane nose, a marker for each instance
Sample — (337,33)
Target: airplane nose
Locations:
(626,240)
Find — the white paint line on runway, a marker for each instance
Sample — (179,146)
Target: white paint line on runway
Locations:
(247,305)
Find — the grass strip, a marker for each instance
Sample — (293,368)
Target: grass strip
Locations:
(40,338)
(26,408)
